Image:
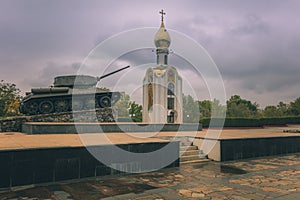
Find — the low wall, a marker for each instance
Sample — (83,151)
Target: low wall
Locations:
(235,149)
(14,124)
(244,148)
(71,128)
(36,166)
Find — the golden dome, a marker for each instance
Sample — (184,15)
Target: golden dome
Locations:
(162,38)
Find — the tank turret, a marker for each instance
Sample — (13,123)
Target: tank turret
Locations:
(83,81)
(73,92)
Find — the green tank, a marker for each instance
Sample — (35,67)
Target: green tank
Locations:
(67,95)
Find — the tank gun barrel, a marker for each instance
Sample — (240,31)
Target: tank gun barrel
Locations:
(111,73)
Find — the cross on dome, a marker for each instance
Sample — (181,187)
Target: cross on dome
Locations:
(162,39)
(162,14)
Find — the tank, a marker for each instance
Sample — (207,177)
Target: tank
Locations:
(67,95)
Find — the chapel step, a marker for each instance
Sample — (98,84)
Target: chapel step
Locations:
(189,152)
(187,148)
(193,157)
(189,158)
(194,161)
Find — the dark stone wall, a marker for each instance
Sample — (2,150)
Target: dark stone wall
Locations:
(14,124)
(34,166)
(37,128)
(235,149)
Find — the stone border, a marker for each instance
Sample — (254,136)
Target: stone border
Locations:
(14,124)
(71,128)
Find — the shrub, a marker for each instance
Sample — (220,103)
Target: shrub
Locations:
(249,122)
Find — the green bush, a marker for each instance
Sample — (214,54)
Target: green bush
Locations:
(249,122)
(128,119)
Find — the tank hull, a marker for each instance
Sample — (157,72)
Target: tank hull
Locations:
(44,103)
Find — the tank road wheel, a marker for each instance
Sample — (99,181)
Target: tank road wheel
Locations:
(105,102)
(77,104)
(46,107)
(61,106)
(89,104)
(31,108)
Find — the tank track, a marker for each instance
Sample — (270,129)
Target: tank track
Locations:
(77,102)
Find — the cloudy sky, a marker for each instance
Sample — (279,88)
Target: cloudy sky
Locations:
(254,43)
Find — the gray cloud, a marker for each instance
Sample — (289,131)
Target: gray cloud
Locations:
(46,75)
(254,43)
(258,54)
(251,25)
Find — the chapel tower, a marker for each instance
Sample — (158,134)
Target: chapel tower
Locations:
(162,85)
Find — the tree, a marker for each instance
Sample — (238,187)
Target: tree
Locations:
(190,109)
(218,110)
(123,105)
(10,99)
(294,108)
(129,109)
(206,107)
(238,107)
(271,111)
(135,111)
(282,109)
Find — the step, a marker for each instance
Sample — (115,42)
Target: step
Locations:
(185,144)
(187,148)
(194,161)
(189,158)
(189,153)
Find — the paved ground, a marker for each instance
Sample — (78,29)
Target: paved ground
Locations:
(16,140)
(261,178)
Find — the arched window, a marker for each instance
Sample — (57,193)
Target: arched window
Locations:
(171,89)
(171,117)
(150,96)
(170,103)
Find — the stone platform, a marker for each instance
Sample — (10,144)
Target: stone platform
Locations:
(86,127)
(243,143)
(65,155)
(274,177)
(35,159)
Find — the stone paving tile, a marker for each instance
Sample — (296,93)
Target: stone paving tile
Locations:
(260,178)
(251,166)
(269,182)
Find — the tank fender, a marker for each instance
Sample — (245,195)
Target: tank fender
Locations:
(49,90)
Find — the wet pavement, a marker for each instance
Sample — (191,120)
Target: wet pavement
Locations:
(261,178)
